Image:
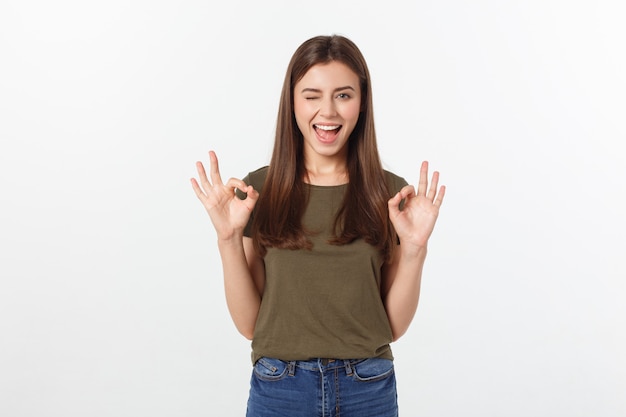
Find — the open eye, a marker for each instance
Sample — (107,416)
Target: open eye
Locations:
(343,96)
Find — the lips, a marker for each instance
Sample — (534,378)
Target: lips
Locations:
(326,132)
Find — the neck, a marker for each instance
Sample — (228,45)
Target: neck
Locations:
(327,175)
(326,169)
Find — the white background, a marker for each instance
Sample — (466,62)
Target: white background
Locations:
(111,298)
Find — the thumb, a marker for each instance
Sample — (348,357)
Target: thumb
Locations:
(251,198)
(394,205)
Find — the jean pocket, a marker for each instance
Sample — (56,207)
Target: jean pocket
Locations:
(270,369)
(373,369)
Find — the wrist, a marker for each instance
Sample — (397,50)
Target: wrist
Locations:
(234,239)
(413,251)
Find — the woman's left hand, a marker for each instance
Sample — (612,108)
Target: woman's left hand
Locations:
(416,221)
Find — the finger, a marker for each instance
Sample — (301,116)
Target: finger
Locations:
(407,191)
(202,175)
(432,192)
(215,169)
(423,182)
(440,195)
(236,183)
(396,203)
(196,188)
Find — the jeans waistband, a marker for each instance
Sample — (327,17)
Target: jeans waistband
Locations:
(324,364)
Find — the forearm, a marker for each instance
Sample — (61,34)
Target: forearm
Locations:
(242,295)
(402,296)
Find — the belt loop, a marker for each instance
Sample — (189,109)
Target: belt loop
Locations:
(348,366)
(291,367)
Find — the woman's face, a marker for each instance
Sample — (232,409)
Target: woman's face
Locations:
(327,103)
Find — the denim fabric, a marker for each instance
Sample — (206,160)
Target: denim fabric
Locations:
(323,388)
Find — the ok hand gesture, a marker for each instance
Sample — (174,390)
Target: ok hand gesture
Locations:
(415,222)
(229,214)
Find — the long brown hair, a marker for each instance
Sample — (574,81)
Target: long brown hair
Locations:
(283,200)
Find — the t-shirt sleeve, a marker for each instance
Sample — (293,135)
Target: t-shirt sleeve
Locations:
(256,179)
(395,184)
(399,183)
(247,231)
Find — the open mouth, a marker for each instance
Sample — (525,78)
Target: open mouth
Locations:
(327,133)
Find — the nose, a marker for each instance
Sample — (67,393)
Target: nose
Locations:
(327,108)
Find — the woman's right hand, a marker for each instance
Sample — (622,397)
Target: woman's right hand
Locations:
(229,214)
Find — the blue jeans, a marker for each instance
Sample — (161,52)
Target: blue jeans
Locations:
(323,388)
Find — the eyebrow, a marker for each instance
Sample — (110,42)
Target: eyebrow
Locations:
(315,90)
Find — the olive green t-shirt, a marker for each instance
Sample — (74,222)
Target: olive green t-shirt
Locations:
(324,302)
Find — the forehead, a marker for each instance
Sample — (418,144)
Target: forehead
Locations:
(329,75)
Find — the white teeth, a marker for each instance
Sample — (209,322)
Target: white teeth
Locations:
(327,127)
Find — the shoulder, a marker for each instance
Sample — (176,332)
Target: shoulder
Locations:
(395,182)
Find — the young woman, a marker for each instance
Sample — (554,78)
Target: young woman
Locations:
(322,250)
